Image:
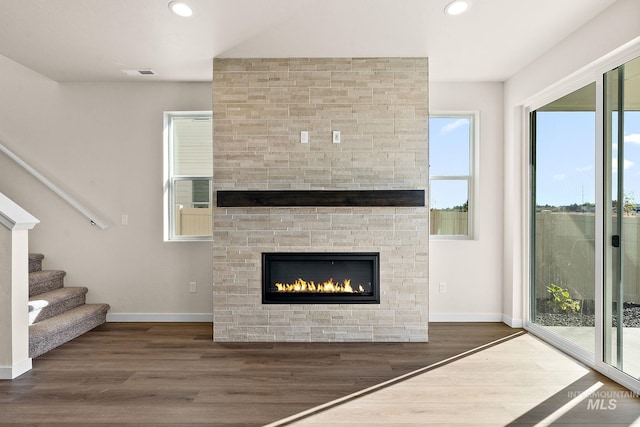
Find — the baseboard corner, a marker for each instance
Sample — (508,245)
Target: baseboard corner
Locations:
(12,372)
(510,321)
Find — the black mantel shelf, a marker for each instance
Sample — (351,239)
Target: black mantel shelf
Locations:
(338,198)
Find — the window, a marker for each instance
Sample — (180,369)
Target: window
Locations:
(188,175)
(452,139)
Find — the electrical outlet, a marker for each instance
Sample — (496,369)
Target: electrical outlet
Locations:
(304,137)
(443,287)
(124,219)
(193,287)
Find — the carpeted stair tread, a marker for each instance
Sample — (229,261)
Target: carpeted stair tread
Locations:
(57,314)
(35,262)
(52,303)
(57,330)
(45,280)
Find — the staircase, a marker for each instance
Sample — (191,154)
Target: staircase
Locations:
(57,314)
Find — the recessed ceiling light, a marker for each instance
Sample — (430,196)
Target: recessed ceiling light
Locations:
(180,8)
(457,7)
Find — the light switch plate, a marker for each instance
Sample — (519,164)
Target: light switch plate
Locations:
(304,137)
(336,137)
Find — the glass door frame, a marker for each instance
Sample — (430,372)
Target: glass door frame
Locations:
(622,111)
(556,340)
(611,257)
(593,73)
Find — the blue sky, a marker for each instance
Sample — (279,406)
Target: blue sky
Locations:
(566,157)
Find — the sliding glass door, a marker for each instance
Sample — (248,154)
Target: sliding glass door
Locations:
(621,316)
(563,217)
(585,222)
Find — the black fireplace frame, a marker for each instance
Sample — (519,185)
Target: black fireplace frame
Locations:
(269,297)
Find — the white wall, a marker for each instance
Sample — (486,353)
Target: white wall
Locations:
(607,32)
(472,269)
(103,144)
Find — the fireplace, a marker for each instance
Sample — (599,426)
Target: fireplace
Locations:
(272,194)
(321,278)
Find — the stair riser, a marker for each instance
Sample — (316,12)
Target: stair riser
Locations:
(38,315)
(45,285)
(35,265)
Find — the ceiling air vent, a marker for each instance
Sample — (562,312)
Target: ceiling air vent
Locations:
(143,72)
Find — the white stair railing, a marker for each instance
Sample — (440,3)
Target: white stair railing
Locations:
(93,218)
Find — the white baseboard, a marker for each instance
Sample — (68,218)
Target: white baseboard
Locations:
(465,317)
(514,323)
(11,372)
(160,317)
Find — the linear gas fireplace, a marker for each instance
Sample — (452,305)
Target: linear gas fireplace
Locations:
(321,278)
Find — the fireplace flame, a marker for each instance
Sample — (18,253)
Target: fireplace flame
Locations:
(329,286)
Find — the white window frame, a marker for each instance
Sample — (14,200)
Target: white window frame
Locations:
(471,179)
(169,179)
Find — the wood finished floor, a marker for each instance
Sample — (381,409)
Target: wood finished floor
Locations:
(154,374)
(519,382)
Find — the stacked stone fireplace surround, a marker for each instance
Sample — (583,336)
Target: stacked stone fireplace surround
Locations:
(380,106)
